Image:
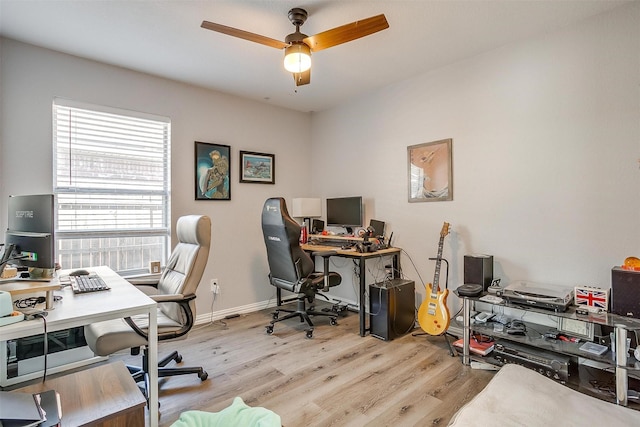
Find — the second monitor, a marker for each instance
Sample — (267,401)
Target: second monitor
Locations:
(31,230)
(317,226)
(378,227)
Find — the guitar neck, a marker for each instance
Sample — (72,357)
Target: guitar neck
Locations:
(436,275)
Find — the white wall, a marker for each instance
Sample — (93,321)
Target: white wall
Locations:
(546,149)
(30,77)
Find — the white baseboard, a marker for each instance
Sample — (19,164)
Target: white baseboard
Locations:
(221,314)
(250,308)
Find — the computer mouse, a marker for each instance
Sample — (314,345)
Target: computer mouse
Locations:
(80,272)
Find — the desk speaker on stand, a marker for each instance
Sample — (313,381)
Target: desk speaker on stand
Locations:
(478,269)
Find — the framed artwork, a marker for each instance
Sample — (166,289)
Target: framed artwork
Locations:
(258,168)
(212,164)
(430,171)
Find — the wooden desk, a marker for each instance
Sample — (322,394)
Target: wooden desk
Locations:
(104,396)
(362,258)
(25,286)
(123,300)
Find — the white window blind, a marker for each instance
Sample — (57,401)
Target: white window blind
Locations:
(112,186)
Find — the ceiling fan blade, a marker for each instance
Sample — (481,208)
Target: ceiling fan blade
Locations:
(303,78)
(347,33)
(244,35)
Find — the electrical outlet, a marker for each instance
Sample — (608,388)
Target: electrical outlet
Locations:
(214,286)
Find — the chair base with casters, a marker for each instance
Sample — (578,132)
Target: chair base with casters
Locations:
(105,338)
(303,313)
(141,373)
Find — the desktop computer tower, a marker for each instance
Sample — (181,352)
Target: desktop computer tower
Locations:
(392,308)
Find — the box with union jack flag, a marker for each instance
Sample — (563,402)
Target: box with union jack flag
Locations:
(591,297)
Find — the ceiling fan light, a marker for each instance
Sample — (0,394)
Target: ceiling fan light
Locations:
(297,58)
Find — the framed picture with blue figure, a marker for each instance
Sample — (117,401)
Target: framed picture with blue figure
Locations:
(212,166)
(257,168)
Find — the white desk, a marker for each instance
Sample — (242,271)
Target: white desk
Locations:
(123,300)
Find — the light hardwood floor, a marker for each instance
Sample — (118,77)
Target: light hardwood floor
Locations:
(337,378)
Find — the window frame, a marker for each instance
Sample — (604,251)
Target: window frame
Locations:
(68,190)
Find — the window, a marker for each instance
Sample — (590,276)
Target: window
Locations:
(112,186)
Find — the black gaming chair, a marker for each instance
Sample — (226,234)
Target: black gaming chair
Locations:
(291,268)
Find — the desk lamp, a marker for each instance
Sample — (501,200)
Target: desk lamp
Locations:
(307,208)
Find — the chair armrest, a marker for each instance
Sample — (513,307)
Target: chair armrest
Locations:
(136,328)
(183,302)
(143,281)
(179,298)
(325,255)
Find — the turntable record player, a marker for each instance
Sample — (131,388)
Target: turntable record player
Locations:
(554,297)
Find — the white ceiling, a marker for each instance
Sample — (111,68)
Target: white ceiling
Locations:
(164,38)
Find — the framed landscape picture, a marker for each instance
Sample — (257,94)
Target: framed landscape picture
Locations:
(212,165)
(257,168)
(430,174)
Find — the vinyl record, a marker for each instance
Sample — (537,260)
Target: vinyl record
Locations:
(469,290)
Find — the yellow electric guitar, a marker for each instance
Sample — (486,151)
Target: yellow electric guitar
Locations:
(433,314)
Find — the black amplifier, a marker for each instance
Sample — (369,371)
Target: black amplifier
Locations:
(553,365)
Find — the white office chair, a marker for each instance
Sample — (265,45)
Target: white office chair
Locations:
(175,295)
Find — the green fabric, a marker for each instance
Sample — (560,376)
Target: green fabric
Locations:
(238,414)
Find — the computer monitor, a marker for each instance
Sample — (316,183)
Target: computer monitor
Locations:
(345,212)
(31,229)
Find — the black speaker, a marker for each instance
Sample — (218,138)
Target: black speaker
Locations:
(625,292)
(392,307)
(378,227)
(478,269)
(317,226)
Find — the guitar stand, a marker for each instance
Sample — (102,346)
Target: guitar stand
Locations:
(452,351)
(445,334)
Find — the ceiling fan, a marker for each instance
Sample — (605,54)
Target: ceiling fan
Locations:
(298,47)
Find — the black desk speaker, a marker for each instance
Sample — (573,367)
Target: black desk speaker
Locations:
(317,226)
(625,292)
(478,269)
(392,307)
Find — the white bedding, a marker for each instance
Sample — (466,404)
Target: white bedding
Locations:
(518,396)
